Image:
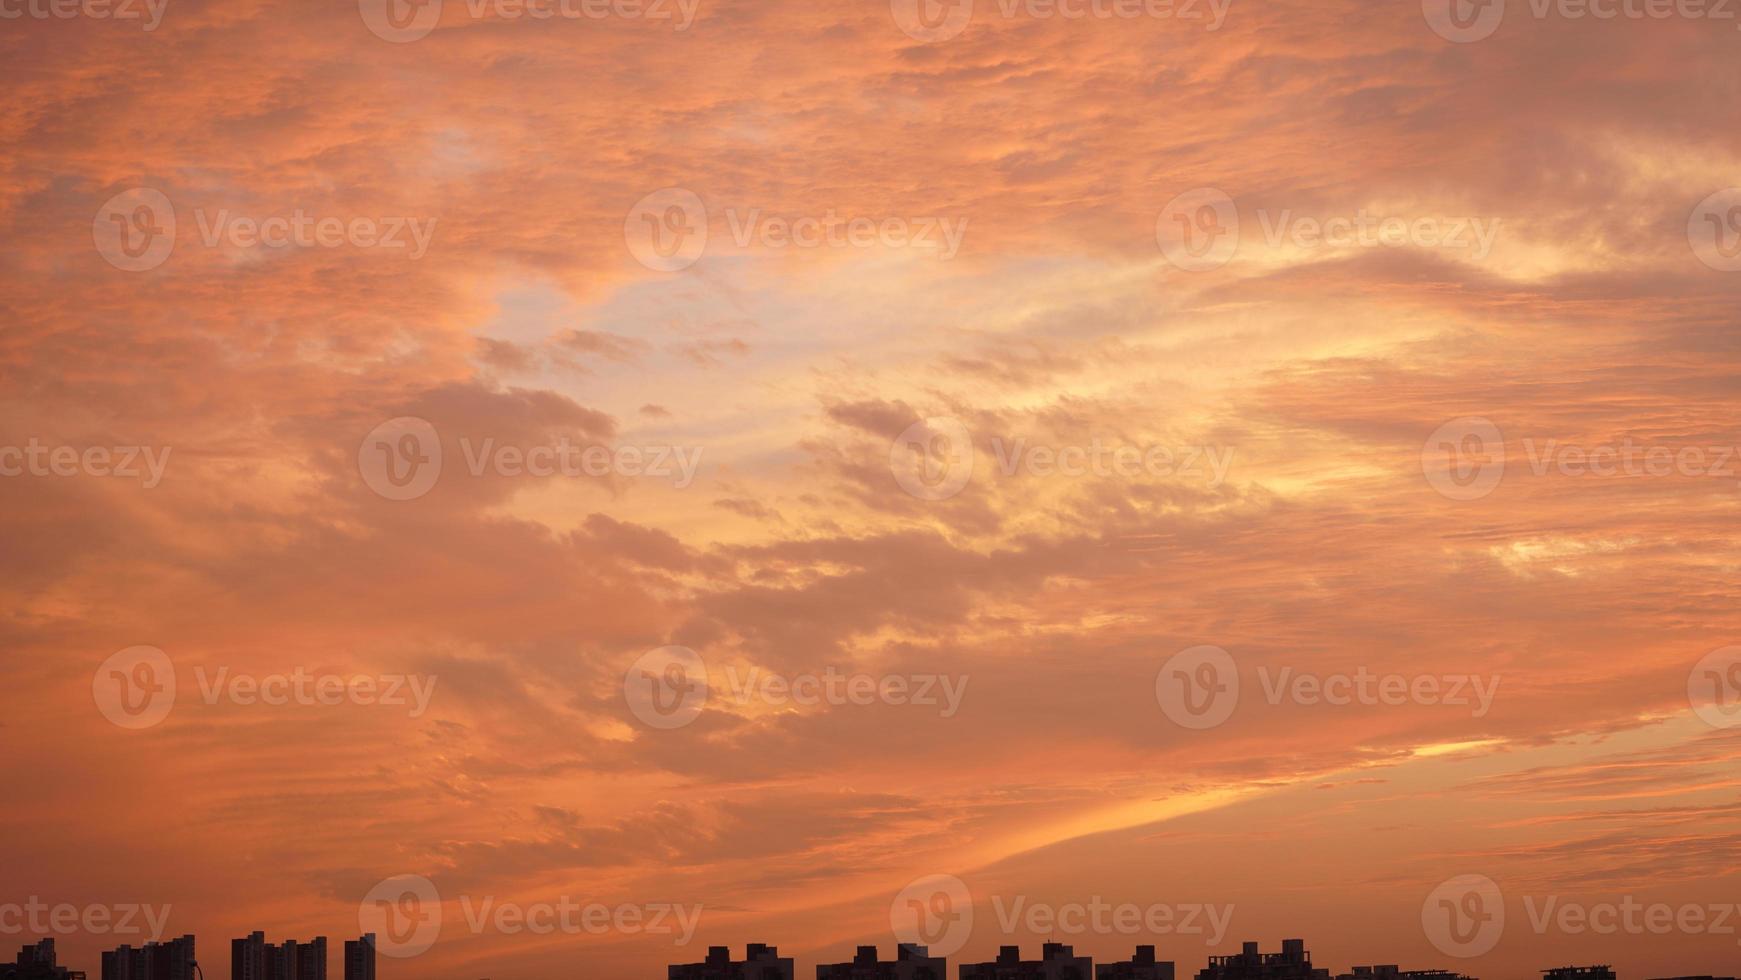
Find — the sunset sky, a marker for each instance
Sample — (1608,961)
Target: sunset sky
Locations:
(787,268)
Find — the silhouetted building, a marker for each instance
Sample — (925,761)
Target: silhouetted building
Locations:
(254,958)
(1057,962)
(172,960)
(1390,972)
(297,961)
(910,963)
(1142,966)
(1603,972)
(248,958)
(360,958)
(282,962)
(37,962)
(1292,963)
(760,962)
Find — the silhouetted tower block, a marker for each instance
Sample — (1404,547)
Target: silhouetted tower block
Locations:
(172,960)
(360,958)
(760,962)
(1057,962)
(1141,966)
(910,963)
(284,962)
(39,953)
(310,959)
(1292,963)
(248,958)
(1603,972)
(37,961)
(1390,972)
(254,958)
